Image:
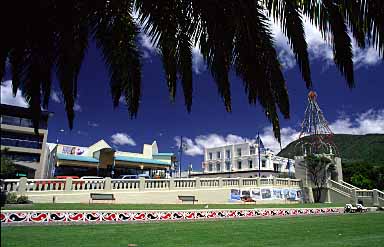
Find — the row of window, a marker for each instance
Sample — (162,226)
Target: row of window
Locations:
(239,165)
(23,122)
(23,157)
(252,151)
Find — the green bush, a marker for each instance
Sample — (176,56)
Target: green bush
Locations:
(23,199)
(11,198)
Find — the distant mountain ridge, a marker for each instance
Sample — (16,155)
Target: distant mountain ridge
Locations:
(352,148)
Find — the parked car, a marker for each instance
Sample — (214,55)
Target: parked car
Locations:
(91,177)
(65,177)
(128,177)
(134,176)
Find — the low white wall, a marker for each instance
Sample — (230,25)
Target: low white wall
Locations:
(204,196)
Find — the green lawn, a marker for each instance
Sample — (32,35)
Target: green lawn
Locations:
(336,230)
(67,206)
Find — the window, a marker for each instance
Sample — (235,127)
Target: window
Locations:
(227,166)
(239,165)
(218,168)
(218,155)
(250,164)
(276,167)
(239,152)
(210,167)
(210,156)
(228,154)
(263,163)
(21,140)
(252,150)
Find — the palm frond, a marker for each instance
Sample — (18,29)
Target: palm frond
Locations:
(116,36)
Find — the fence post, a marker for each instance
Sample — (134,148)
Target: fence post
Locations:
(108,184)
(240,181)
(353,196)
(375,198)
(171,183)
(22,185)
(221,182)
(289,182)
(198,183)
(68,184)
(141,183)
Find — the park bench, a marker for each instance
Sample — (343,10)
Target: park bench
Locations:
(101,197)
(188,199)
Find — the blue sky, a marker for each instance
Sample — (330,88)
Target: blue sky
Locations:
(355,111)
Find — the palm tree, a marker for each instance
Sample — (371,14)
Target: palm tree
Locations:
(52,35)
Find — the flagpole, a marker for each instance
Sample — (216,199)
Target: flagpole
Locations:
(181,153)
(258,150)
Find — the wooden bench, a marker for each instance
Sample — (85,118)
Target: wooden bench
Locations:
(101,197)
(188,199)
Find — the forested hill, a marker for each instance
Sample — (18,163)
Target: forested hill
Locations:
(367,149)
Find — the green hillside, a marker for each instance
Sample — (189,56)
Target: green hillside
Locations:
(362,158)
(352,148)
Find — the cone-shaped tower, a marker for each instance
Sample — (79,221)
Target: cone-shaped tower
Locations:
(315,137)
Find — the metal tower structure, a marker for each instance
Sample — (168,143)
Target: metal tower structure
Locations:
(315,137)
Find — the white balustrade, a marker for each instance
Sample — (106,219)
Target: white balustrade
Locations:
(282,181)
(231,182)
(364,193)
(250,182)
(181,183)
(266,181)
(209,182)
(295,182)
(125,184)
(156,183)
(11,185)
(88,184)
(340,187)
(45,184)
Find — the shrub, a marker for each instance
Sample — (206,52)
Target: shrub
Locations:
(23,199)
(11,198)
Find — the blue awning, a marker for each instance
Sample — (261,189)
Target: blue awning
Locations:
(141,160)
(80,158)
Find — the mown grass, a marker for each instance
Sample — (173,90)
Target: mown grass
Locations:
(83,206)
(336,230)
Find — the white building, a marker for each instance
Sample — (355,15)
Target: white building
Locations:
(243,160)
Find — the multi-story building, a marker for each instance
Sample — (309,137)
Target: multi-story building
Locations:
(26,149)
(100,159)
(243,160)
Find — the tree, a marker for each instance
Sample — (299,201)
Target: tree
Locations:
(7,165)
(318,168)
(53,35)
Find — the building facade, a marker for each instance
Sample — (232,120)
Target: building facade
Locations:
(100,159)
(26,149)
(243,160)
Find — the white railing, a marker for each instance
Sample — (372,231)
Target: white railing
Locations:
(11,185)
(349,185)
(340,187)
(282,181)
(156,184)
(48,185)
(231,182)
(364,193)
(87,184)
(209,182)
(266,181)
(183,183)
(45,184)
(125,184)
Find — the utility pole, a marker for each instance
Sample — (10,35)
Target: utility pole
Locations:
(180,154)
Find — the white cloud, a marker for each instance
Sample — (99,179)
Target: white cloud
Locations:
(77,107)
(318,49)
(198,64)
(122,139)
(369,122)
(7,95)
(93,124)
(55,96)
